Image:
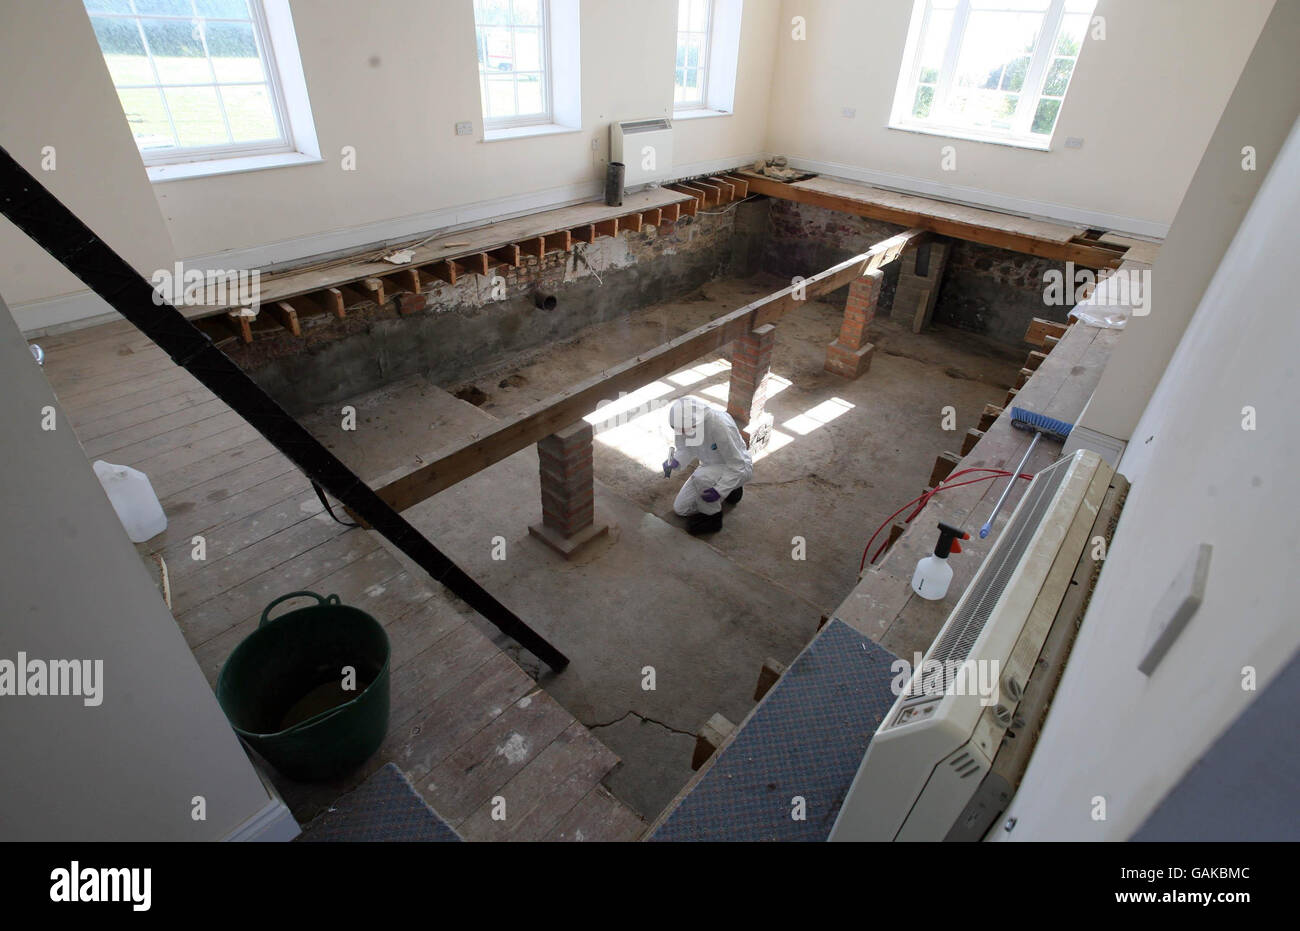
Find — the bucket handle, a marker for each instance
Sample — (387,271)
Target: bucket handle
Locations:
(331,600)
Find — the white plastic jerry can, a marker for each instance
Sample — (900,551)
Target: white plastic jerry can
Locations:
(133,498)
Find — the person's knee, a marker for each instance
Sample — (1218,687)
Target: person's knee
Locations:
(683,509)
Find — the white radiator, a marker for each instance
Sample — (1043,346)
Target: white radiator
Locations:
(645,147)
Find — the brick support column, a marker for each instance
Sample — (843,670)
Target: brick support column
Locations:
(751,363)
(918,284)
(565,466)
(850,354)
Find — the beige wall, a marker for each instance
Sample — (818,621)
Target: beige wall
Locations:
(57,93)
(1145,101)
(1113,732)
(75,589)
(1263,106)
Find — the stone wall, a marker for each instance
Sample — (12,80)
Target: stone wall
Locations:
(464,327)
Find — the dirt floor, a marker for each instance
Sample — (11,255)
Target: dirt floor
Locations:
(703,614)
(845,455)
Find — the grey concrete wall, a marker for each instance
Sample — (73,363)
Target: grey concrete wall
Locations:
(462,329)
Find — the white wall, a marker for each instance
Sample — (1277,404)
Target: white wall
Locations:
(1259,113)
(1113,732)
(57,93)
(412,172)
(1145,101)
(75,589)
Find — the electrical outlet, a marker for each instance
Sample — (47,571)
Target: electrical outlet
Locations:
(1074,142)
(848,112)
(465,129)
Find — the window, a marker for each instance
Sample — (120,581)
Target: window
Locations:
(196,78)
(994,70)
(513,61)
(691,76)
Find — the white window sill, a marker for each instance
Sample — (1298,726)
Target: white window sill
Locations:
(698,113)
(228,166)
(1034,143)
(523,132)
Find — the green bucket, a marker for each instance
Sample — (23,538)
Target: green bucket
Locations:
(283,689)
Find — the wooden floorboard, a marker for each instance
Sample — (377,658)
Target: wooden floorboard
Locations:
(466,723)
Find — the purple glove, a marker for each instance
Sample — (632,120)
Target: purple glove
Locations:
(710,495)
(670,464)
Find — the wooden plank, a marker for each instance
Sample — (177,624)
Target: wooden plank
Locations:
(1034,360)
(1011,396)
(721,193)
(1004,231)
(406,279)
(712,734)
(354,295)
(707,196)
(584,233)
(1023,376)
(630,222)
(651,217)
(607,227)
(477,262)
(669,213)
(768,674)
(331,301)
(375,287)
(570,405)
(989,415)
(968,443)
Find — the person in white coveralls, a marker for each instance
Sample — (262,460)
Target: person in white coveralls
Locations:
(711,436)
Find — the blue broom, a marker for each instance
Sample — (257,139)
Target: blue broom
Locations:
(1043,426)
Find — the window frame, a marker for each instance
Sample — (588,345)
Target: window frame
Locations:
(705,67)
(1030,96)
(547,116)
(184,155)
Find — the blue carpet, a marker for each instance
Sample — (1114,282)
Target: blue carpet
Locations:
(806,739)
(383,808)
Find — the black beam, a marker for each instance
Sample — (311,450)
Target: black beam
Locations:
(55,228)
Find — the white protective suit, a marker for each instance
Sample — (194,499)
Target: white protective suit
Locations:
(700,432)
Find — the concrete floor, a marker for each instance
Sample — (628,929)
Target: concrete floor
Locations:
(703,614)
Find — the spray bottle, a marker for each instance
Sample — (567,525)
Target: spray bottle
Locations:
(933,573)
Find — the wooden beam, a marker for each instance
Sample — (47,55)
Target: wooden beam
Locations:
(1011,396)
(375,287)
(630,222)
(506,255)
(607,227)
(284,314)
(703,198)
(714,196)
(585,233)
(562,409)
(1064,250)
(1024,376)
(476,262)
(710,738)
(650,217)
(944,463)
(1034,360)
(1039,329)
(688,207)
(558,242)
(991,413)
(332,300)
(972,437)
(727,187)
(241,325)
(353,294)
(405,279)
(740,184)
(533,247)
(768,675)
(668,213)
(440,271)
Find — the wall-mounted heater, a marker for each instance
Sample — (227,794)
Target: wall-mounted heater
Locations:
(645,147)
(935,746)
